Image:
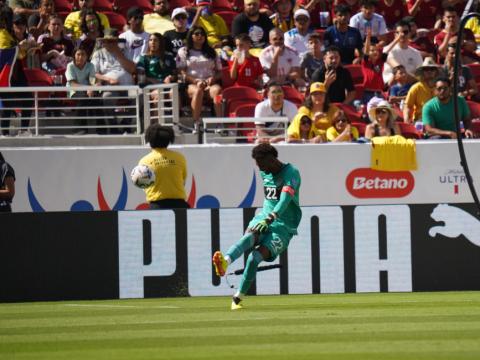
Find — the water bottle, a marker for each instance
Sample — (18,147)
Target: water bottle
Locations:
(358,105)
(240,55)
(419,126)
(141,78)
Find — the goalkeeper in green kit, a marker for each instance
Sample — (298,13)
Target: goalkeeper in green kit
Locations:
(268,233)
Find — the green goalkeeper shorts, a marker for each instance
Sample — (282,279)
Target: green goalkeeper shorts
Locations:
(275,243)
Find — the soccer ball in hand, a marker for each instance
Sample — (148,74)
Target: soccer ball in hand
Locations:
(142,176)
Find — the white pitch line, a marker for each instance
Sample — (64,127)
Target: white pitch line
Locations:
(122,306)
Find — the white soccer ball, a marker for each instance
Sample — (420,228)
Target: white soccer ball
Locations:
(142,176)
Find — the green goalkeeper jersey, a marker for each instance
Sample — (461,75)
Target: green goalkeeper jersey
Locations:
(282,197)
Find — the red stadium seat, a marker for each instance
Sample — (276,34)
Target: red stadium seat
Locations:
(117,21)
(37,77)
(360,127)
(293,95)
(235,96)
(227,81)
(179,3)
(356,72)
(475,127)
(359,91)
(122,6)
(350,112)
(103,5)
(222,5)
(409,131)
(227,16)
(246,110)
(474,109)
(63,6)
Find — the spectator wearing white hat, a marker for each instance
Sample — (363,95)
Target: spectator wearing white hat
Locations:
(175,39)
(297,38)
(383,123)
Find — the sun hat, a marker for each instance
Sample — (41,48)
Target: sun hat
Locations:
(382,105)
(428,63)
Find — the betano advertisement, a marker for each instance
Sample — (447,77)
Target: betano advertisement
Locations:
(79,179)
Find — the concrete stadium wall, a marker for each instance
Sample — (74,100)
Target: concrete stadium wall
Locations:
(79,179)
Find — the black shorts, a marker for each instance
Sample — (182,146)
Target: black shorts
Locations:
(169,204)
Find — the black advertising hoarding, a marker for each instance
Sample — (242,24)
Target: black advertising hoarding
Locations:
(135,254)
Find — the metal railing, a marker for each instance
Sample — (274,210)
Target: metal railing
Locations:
(113,109)
(161,103)
(230,130)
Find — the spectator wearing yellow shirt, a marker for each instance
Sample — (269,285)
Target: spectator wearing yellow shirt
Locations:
(341,129)
(73,21)
(318,108)
(218,34)
(170,168)
(302,130)
(420,92)
(6,39)
(283,16)
(159,20)
(474,25)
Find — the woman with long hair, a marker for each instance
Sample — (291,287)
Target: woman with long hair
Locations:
(200,68)
(92,29)
(317,107)
(159,66)
(383,123)
(341,129)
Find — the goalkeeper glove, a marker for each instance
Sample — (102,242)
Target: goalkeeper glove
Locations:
(262,226)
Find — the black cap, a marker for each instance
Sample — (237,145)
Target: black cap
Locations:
(134,11)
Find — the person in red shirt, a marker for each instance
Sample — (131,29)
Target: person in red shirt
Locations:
(420,40)
(392,11)
(245,69)
(425,12)
(449,33)
(372,69)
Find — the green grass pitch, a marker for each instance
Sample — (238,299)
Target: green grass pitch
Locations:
(443,325)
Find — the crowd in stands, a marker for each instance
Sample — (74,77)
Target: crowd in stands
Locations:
(339,70)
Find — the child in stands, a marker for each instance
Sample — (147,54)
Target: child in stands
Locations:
(372,69)
(245,69)
(398,91)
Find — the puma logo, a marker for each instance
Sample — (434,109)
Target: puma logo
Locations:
(456,222)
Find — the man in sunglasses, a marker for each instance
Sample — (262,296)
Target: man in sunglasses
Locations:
(136,39)
(175,39)
(297,38)
(438,113)
(401,53)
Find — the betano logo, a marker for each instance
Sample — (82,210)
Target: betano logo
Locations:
(365,183)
